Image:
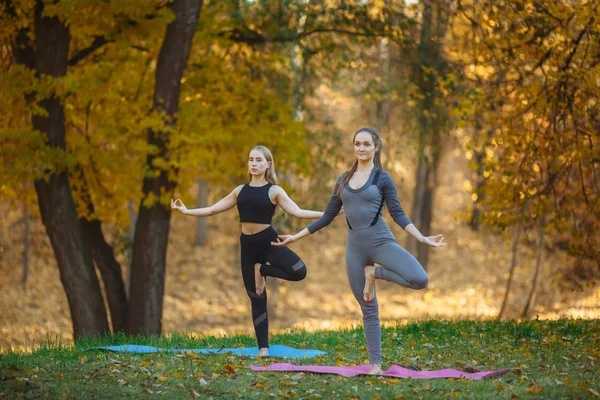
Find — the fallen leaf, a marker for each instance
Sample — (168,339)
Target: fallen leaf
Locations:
(535,389)
(595,393)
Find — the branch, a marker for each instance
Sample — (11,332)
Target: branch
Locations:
(545,11)
(251,37)
(101,40)
(98,42)
(576,44)
(463,11)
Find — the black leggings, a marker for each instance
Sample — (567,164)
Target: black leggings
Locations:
(278,262)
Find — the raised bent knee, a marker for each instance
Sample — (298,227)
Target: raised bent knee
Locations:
(420,283)
(300,273)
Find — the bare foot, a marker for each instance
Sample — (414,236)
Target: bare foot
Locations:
(369,290)
(375,369)
(264,351)
(259,280)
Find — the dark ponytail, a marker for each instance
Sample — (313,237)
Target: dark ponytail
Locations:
(376,158)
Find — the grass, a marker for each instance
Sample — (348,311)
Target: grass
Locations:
(548,359)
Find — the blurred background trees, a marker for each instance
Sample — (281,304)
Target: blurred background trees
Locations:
(110,109)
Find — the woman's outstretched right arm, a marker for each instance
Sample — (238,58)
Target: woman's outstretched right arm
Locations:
(226,203)
(331,211)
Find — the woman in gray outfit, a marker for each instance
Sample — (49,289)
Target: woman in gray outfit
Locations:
(373,252)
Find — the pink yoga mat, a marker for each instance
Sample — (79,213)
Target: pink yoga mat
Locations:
(393,371)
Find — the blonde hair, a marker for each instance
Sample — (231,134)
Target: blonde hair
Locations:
(270,174)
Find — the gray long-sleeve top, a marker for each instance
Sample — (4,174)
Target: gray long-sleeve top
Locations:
(364,205)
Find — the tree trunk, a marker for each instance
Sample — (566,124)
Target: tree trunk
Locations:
(383,106)
(152,227)
(513,265)
(427,209)
(418,200)
(27,245)
(201,201)
(480,156)
(110,270)
(104,257)
(430,125)
(538,266)
(130,237)
(57,207)
(298,67)
(476,212)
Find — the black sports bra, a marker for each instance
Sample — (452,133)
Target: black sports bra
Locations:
(254,204)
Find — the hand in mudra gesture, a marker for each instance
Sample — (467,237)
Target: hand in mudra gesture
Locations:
(434,241)
(283,240)
(178,205)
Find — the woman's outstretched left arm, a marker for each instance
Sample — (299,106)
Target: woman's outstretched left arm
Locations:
(390,196)
(433,241)
(288,205)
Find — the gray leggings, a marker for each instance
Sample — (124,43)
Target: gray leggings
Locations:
(376,244)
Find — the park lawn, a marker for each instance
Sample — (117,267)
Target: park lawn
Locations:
(548,359)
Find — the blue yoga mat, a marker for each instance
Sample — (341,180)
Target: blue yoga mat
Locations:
(274,350)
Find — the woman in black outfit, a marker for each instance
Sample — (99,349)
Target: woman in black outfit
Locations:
(256,202)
